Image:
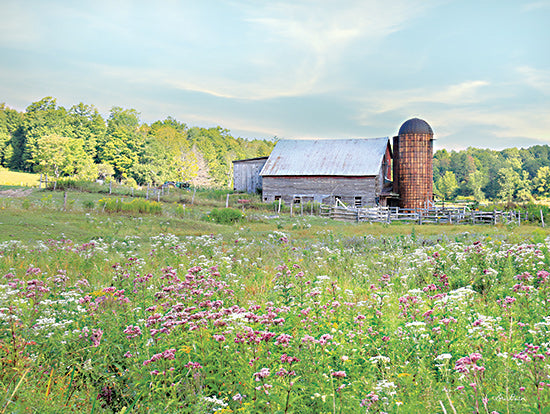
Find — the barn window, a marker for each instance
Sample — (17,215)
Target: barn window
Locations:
(357,202)
(277,198)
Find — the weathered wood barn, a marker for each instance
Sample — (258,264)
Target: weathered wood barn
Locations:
(355,171)
(358,172)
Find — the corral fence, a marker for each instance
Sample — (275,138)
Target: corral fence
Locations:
(423,216)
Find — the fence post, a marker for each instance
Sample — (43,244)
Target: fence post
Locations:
(279,208)
(227,201)
(541,218)
(65,201)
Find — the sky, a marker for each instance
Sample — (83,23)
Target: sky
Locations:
(477,71)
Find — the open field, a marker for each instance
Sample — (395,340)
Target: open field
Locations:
(14,178)
(151,313)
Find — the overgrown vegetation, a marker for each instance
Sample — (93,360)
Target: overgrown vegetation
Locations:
(224,215)
(149,313)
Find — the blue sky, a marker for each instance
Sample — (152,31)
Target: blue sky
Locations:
(477,71)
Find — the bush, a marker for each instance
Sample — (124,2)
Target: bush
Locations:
(135,206)
(88,204)
(225,215)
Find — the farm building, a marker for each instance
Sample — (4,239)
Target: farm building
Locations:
(358,172)
(246,174)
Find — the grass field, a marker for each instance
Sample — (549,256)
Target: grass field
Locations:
(13,178)
(121,312)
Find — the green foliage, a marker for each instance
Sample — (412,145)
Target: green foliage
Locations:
(512,174)
(225,215)
(80,142)
(137,205)
(447,185)
(88,204)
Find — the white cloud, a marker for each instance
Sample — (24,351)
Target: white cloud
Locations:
(468,92)
(538,79)
(536,5)
(297,43)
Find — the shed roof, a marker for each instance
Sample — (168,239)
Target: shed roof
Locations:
(339,157)
(251,159)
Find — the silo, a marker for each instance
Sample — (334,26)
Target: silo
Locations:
(413,164)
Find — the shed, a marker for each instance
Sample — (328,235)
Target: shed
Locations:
(246,174)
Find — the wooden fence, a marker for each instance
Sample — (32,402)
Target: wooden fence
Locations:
(423,216)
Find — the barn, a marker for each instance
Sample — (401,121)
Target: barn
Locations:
(354,171)
(359,172)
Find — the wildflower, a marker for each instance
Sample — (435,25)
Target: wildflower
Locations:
(132,331)
(288,359)
(283,339)
(339,374)
(284,373)
(96,336)
(263,373)
(193,365)
(379,359)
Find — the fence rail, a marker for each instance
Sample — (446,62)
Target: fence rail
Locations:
(423,216)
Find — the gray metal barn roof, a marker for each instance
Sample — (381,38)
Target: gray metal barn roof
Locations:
(342,157)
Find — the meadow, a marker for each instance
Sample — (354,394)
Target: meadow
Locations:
(127,312)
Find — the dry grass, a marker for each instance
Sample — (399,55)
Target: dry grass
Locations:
(19,178)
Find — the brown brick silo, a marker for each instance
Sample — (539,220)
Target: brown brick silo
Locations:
(413,164)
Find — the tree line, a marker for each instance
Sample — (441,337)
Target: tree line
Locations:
(80,143)
(509,175)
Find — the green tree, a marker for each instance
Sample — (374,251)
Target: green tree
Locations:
(41,119)
(541,183)
(447,185)
(10,122)
(475,182)
(59,155)
(123,142)
(514,185)
(87,124)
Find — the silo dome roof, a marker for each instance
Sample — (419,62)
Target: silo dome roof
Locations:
(415,126)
